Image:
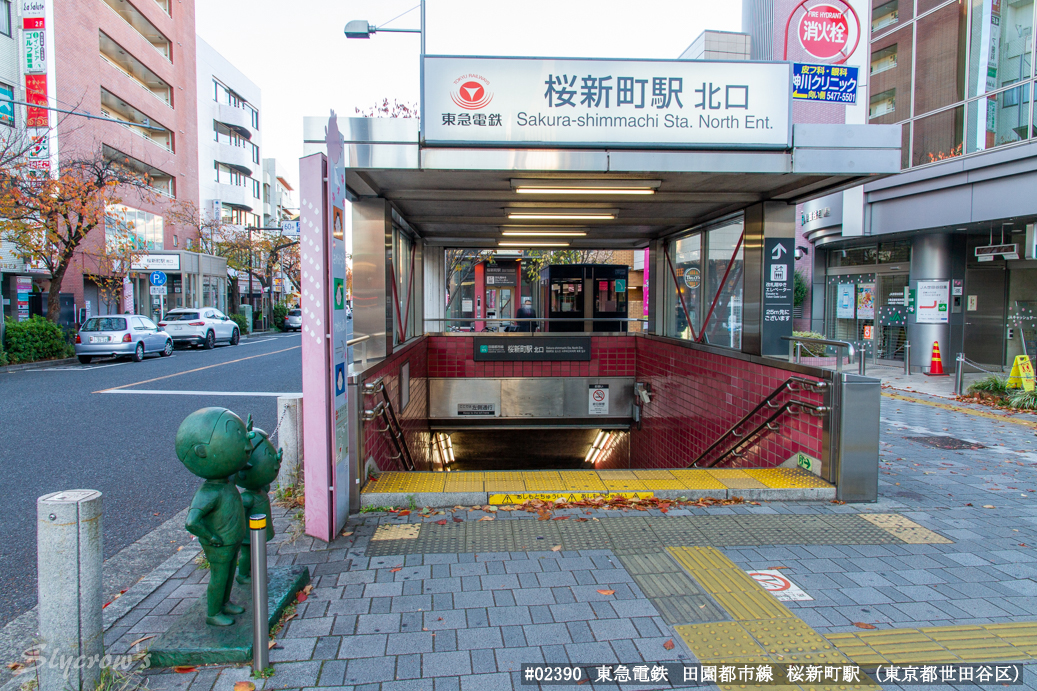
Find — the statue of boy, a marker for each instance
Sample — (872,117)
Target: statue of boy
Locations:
(215,444)
(262,469)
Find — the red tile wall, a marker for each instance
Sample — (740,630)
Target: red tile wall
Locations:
(453,356)
(698,395)
(414,418)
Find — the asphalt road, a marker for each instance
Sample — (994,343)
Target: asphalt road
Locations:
(59,431)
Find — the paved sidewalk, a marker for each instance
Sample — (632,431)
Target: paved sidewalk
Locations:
(408,604)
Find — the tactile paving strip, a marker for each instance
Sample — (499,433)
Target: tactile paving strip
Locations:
(905,529)
(543,481)
(786,477)
(582,481)
(987,643)
(643,534)
(678,599)
(697,479)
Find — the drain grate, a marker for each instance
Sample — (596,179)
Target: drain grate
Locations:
(948,443)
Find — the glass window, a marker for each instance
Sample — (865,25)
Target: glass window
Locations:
(886,15)
(894,252)
(5,17)
(687,264)
(853,256)
(937,137)
(890,78)
(940,58)
(6,107)
(145,230)
(1001,44)
(926,5)
(884,59)
(725,325)
(105,324)
(998,119)
(881,104)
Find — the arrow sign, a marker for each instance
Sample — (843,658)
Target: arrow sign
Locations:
(778,250)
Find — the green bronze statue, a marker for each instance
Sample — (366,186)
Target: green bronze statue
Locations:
(255,480)
(214,443)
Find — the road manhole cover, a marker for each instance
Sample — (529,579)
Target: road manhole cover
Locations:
(948,443)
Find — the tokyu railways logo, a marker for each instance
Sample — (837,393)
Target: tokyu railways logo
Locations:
(471,92)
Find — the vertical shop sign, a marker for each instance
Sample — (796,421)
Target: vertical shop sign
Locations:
(845,301)
(644,289)
(22,287)
(34,50)
(36,93)
(865,300)
(777,295)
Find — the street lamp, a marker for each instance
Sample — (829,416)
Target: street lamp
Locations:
(361,28)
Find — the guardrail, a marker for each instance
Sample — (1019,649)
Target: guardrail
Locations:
(795,348)
(362,341)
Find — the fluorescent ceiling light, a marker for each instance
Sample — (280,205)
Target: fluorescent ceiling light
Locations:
(545,233)
(554,216)
(532,244)
(556,186)
(584,190)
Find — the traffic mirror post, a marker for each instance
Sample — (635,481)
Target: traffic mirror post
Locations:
(69,558)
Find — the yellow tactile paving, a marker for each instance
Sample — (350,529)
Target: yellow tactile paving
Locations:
(633,485)
(726,472)
(729,585)
(905,529)
(543,481)
(459,482)
(786,477)
(504,486)
(989,643)
(505,475)
(617,475)
(397,531)
(653,475)
(582,481)
(697,479)
(721,641)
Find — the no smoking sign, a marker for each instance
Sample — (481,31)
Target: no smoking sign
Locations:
(778,585)
(599,399)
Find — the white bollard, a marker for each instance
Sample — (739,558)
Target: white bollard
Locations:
(69,556)
(289,438)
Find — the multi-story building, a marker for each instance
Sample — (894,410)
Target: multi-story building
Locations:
(132,61)
(277,194)
(946,252)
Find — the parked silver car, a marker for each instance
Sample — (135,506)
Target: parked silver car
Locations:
(125,334)
(203,327)
(293,320)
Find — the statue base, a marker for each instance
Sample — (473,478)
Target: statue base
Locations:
(190,641)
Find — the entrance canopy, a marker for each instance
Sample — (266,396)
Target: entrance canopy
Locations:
(511,143)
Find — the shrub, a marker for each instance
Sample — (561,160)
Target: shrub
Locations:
(1023,400)
(994,384)
(799,288)
(34,339)
(280,312)
(810,349)
(239,319)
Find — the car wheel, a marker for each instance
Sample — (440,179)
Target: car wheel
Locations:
(210,341)
(138,354)
(85,359)
(168,350)
(235,337)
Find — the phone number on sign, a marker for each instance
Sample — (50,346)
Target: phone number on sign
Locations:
(549,673)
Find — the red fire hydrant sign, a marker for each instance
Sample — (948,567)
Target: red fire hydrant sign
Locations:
(824,32)
(778,585)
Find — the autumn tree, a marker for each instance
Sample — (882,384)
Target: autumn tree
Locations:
(48,217)
(109,266)
(385,110)
(537,260)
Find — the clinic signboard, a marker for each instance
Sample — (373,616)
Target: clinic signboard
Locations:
(558,102)
(932,299)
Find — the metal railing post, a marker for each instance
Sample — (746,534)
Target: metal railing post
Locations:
(799,352)
(861,359)
(959,373)
(260,616)
(907,358)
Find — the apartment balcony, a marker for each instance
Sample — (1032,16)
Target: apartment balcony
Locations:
(234,195)
(237,118)
(237,157)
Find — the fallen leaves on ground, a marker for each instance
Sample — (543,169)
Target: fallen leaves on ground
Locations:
(668,644)
(405,512)
(141,640)
(398,568)
(485,518)
(458,520)
(556,548)
(244,686)
(184,669)
(616,502)
(776,568)
(346,533)
(840,501)
(862,625)
(303,594)
(441,522)
(989,506)
(15,666)
(607,592)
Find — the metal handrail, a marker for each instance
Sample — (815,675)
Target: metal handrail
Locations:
(392,422)
(793,351)
(362,340)
(768,425)
(733,431)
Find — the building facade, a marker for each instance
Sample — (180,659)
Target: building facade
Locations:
(131,61)
(945,254)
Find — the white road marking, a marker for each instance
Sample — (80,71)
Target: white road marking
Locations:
(77,368)
(168,392)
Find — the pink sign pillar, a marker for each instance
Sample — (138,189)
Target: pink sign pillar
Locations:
(325,332)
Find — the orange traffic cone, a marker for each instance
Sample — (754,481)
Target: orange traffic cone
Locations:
(936,365)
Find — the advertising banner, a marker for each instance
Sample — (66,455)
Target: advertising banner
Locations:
(933,297)
(865,300)
(533,349)
(845,301)
(36,93)
(824,83)
(636,103)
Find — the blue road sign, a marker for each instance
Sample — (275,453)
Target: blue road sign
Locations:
(158,278)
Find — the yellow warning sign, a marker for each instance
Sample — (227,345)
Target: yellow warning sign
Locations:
(1022,373)
(523,497)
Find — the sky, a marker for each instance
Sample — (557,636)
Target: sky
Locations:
(297,54)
